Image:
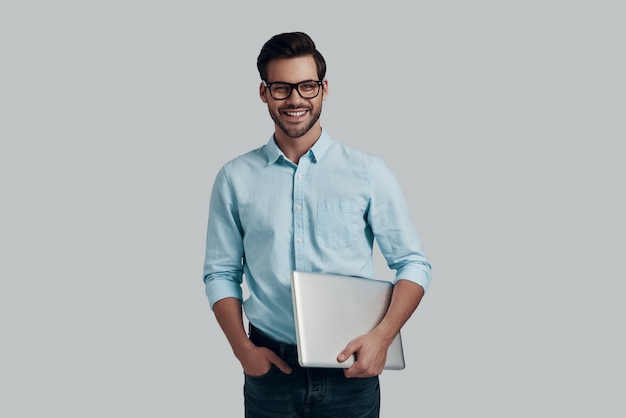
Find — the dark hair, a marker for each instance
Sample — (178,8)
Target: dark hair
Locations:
(289,45)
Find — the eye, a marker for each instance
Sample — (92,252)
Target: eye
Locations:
(308,86)
(280,88)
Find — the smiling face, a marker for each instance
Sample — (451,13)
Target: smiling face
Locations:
(294,117)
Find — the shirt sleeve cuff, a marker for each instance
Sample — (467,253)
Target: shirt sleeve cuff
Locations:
(416,274)
(220,289)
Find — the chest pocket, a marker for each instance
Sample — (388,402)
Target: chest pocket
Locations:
(338,223)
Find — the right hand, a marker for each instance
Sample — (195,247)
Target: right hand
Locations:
(257,361)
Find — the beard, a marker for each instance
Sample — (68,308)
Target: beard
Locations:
(300,129)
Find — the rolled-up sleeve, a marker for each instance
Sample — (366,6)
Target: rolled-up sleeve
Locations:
(223,268)
(393,228)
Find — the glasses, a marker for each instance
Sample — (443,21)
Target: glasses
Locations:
(306,89)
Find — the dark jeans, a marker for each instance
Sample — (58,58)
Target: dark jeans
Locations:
(307,392)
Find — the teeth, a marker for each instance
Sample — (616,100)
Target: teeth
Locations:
(295,113)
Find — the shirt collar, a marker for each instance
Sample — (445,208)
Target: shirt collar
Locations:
(317,151)
(272,152)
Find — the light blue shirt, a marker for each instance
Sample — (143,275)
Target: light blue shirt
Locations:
(269,216)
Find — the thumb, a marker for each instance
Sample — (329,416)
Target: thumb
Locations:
(280,363)
(346,352)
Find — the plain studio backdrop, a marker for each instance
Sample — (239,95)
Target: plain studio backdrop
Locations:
(503,121)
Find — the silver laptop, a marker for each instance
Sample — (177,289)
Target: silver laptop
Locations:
(331,310)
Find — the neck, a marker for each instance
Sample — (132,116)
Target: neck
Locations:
(294,148)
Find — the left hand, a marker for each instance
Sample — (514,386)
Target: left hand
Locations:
(370,351)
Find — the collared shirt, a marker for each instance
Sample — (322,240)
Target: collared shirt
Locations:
(269,216)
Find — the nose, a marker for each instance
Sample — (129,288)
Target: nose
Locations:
(294,96)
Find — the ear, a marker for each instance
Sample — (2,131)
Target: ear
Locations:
(262,92)
(324,89)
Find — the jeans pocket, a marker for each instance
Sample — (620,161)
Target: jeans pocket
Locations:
(262,376)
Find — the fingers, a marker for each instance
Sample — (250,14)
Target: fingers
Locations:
(279,363)
(273,358)
(362,369)
(351,372)
(369,362)
(260,360)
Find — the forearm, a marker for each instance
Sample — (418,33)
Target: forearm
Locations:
(405,299)
(255,361)
(371,349)
(230,318)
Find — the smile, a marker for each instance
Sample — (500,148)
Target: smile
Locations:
(300,113)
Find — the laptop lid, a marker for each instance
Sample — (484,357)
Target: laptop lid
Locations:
(331,310)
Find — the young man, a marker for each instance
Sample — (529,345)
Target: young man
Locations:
(304,202)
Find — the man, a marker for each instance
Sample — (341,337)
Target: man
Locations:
(304,202)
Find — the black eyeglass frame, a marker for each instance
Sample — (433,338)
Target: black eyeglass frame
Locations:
(293,86)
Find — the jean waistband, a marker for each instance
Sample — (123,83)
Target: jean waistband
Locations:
(261,339)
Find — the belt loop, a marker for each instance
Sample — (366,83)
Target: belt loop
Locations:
(282,350)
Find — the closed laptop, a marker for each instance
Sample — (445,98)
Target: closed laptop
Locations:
(331,310)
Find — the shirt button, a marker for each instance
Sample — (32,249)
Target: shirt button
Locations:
(298,207)
(299,240)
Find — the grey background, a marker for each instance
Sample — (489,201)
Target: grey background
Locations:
(504,122)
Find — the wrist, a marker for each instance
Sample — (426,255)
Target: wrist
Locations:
(241,348)
(385,333)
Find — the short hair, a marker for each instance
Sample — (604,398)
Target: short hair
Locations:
(290,45)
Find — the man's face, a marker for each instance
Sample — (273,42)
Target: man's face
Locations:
(294,116)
